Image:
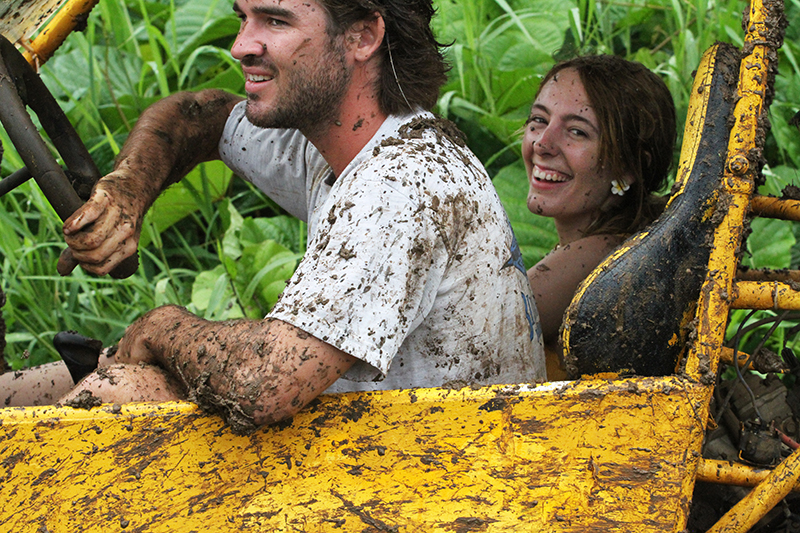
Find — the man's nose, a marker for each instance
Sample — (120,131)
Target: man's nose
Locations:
(247,43)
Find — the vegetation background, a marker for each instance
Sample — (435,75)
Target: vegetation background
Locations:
(219,247)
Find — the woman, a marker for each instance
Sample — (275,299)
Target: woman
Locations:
(598,143)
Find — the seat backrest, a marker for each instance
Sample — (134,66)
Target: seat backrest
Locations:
(635,311)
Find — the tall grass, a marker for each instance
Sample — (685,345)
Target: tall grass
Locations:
(194,247)
(192,253)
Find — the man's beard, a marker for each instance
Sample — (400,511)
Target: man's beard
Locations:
(311,96)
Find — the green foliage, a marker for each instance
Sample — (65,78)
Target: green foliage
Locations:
(131,54)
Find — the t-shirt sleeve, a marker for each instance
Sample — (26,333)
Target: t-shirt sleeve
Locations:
(370,275)
(280,162)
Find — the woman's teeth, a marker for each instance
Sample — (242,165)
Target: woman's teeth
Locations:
(548,176)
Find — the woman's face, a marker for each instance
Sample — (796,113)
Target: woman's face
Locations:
(561,149)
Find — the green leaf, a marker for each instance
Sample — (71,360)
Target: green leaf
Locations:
(179,201)
(770,244)
(536,235)
(284,230)
(213,297)
(263,271)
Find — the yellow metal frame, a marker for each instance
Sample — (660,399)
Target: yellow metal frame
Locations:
(63,23)
(66,18)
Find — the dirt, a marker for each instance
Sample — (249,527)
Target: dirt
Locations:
(444,129)
(84,400)
(790,192)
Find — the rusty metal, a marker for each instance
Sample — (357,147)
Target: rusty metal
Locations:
(766,274)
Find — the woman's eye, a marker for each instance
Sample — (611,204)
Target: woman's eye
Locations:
(536,121)
(577,132)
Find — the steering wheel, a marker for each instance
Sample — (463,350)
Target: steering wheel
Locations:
(20,86)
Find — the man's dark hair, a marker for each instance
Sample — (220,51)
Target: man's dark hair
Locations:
(412,66)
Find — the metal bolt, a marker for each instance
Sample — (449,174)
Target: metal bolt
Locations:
(738,164)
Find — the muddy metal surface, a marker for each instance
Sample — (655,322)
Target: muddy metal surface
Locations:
(635,317)
(563,457)
(19,18)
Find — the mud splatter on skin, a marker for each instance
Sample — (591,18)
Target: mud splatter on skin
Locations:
(243,370)
(175,133)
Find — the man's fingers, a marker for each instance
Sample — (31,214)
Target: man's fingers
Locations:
(66,262)
(87,214)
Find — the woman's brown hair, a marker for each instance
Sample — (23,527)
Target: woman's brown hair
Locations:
(636,116)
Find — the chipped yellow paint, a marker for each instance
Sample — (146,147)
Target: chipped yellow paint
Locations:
(50,38)
(780,208)
(747,512)
(765,295)
(730,473)
(21,19)
(568,456)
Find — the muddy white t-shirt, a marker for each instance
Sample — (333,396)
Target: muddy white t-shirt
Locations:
(411,265)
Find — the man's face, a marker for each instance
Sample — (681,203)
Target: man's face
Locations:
(295,74)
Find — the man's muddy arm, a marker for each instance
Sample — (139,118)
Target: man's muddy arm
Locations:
(170,138)
(252,372)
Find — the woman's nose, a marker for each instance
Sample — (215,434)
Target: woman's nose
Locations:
(546,142)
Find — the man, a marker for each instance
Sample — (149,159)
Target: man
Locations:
(412,276)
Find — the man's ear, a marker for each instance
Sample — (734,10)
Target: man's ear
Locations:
(365,37)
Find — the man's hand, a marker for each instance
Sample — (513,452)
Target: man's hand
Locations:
(139,343)
(103,232)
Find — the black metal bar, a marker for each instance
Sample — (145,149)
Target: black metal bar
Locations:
(63,135)
(34,152)
(12,181)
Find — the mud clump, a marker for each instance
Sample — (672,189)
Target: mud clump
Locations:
(84,400)
(791,192)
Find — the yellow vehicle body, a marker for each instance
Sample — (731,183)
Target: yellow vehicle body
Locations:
(596,454)
(568,456)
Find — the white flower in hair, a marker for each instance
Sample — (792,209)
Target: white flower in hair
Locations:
(619,187)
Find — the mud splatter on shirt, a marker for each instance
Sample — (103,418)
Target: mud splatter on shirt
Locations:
(411,265)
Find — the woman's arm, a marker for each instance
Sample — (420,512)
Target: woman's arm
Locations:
(555,278)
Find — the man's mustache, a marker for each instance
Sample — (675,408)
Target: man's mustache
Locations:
(253,61)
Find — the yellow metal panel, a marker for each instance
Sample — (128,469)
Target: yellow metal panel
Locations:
(568,456)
